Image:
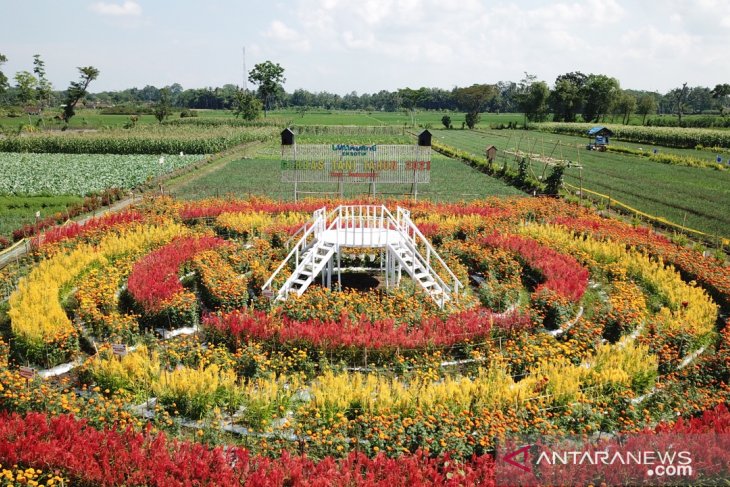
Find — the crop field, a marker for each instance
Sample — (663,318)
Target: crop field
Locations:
(695,197)
(664,136)
(80,174)
(16,211)
(140,140)
(85,119)
(422,118)
(450,181)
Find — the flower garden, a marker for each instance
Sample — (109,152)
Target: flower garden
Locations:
(571,324)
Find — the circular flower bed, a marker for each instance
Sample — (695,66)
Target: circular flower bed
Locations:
(568,324)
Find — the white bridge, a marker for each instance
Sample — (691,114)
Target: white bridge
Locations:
(402,248)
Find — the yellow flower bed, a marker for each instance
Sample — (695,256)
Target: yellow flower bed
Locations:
(194,392)
(38,319)
(624,365)
(249,224)
(135,372)
(555,382)
(686,306)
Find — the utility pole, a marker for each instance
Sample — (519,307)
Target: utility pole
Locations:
(245,78)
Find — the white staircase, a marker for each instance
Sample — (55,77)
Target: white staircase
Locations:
(403,248)
(413,263)
(313,262)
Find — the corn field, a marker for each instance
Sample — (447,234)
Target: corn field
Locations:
(140,140)
(666,136)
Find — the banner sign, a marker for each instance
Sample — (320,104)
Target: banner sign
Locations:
(345,163)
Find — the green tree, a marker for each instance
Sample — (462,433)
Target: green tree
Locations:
(679,100)
(473,100)
(246,105)
(269,77)
(44,89)
(76,91)
(409,100)
(566,99)
(720,92)
(3,79)
(600,94)
(532,97)
(645,105)
(446,120)
(162,108)
(472,119)
(625,105)
(25,84)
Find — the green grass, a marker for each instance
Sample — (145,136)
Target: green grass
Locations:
(16,211)
(573,147)
(451,180)
(697,197)
(93,119)
(360,117)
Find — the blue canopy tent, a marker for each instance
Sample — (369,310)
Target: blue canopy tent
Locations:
(598,138)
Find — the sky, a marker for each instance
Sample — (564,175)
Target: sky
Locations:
(369,45)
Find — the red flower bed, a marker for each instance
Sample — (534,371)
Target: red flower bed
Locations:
(154,279)
(380,335)
(561,273)
(74,230)
(91,457)
(87,456)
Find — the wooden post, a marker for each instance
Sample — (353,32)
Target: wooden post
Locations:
(414,189)
(580,174)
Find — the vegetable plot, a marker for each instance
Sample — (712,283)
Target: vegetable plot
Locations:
(81,174)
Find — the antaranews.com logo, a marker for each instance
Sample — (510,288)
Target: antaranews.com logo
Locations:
(642,459)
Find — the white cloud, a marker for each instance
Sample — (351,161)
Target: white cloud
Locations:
(365,42)
(279,31)
(129,8)
(368,45)
(650,43)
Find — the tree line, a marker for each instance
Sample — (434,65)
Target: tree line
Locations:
(571,97)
